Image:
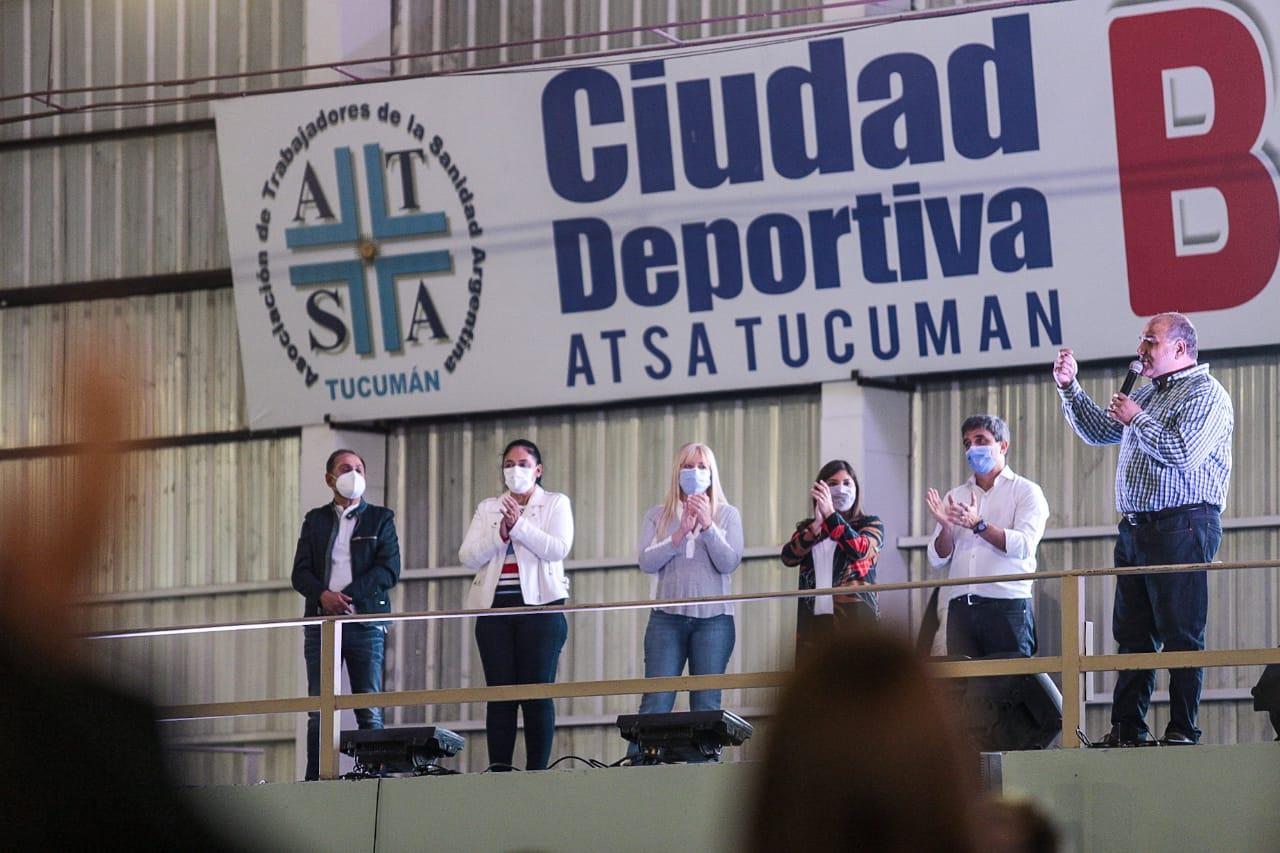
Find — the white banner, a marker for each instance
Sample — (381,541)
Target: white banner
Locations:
(954,194)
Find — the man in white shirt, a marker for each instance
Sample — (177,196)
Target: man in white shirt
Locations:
(988,526)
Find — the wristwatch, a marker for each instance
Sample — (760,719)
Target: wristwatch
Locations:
(979,527)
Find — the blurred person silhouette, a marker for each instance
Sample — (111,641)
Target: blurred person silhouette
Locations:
(863,753)
(86,763)
(1014,825)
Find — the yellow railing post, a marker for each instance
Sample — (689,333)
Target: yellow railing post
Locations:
(1072,650)
(330,683)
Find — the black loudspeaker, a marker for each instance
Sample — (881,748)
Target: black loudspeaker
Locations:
(1266,695)
(683,735)
(1011,712)
(410,749)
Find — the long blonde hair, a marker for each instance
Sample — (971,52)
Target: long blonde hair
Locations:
(690,454)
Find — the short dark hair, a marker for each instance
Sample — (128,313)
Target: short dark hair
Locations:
(333,457)
(1177,327)
(527,445)
(993,424)
(835,466)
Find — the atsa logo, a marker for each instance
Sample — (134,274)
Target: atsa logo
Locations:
(371,256)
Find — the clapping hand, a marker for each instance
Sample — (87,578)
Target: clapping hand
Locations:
(510,510)
(701,510)
(940,509)
(822,503)
(964,514)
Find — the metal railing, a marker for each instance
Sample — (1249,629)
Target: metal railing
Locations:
(1073,663)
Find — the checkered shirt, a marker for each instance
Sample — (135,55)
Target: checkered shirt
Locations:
(1176,451)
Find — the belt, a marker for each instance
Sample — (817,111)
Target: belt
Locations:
(973,600)
(1136,518)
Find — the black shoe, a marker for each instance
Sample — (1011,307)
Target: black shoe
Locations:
(1112,740)
(1173,737)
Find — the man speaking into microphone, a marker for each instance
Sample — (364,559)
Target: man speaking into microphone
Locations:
(1171,484)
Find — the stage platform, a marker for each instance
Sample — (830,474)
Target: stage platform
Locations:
(1219,798)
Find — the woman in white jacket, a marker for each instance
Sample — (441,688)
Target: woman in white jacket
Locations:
(517,543)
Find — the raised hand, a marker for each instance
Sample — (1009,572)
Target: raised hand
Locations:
(964,514)
(1064,368)
(701,510)
(821,494)
(510,510)
(52,528)
(938,508)
(688,518)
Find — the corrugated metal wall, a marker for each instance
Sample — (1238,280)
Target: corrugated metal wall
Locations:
(1078,482)
(188,378)
(53,44)
(432,25)
(122,207)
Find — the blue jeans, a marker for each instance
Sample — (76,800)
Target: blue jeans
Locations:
(521,649)
(1168,610)
(670,640)
(980,627)
(362,649)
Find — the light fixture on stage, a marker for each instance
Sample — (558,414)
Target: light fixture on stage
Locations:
(415,750)
(683,736)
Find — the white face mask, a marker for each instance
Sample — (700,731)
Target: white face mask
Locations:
(695,481)
(842,497)
(351,485)
(519,480)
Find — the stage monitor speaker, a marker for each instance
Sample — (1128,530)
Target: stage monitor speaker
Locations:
(411,749)
(683,735)
(1266,695)
(1011,712)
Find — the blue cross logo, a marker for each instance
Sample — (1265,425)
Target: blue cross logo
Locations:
(344,230)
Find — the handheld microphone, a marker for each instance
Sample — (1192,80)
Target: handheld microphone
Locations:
(1135,370)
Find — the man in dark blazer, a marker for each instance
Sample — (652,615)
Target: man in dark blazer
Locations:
(347,561)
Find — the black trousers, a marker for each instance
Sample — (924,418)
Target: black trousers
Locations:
(980,627)
(1166,611)
(812,629)
(521,649)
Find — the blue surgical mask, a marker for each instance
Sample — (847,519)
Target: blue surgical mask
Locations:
(981,458)
(695,481)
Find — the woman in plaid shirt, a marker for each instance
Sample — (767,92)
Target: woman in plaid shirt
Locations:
(836,547)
